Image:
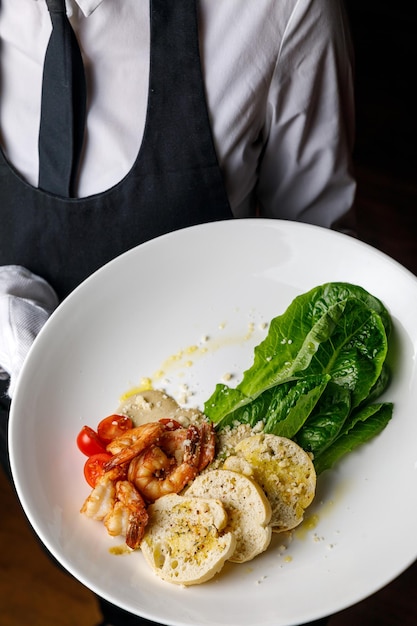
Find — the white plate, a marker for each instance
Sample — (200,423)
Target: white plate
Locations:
(219,281)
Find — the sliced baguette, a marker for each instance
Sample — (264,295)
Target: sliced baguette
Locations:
(184,541)
(284,471)
(247,508)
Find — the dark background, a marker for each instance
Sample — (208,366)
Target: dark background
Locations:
(384,36)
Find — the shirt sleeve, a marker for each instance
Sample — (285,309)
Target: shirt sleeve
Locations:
(305,170)
(26,302)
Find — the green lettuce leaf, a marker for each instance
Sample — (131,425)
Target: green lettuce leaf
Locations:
(317,370)
(326,420)
(336,329)
(368,423)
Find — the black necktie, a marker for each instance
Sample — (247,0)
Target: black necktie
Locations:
(63,106)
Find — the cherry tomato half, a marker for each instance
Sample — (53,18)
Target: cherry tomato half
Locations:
(94,467)
(89,442)
(113,426)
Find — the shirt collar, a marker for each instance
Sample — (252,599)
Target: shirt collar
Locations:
(86,6)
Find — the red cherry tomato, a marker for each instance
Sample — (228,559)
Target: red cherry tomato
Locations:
(89,442)
(113,426)
(94,467)
(169,423)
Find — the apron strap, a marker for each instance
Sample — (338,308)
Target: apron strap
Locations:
(63,106)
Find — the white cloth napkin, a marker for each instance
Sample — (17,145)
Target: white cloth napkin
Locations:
(26,302)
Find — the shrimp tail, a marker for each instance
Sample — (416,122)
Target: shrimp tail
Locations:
(129,497)
(208,445)
(199,449)
(192,447)
(136,529)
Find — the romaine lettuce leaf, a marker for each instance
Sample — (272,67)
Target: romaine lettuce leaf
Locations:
(283,409)
(326,420)
(322,358)
(295,406)
(337,329)
(369,422)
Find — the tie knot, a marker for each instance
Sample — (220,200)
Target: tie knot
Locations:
(56,6)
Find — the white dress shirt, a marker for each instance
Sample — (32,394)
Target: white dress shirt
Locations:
(278,84)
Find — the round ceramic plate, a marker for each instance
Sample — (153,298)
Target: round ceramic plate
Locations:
(186,310)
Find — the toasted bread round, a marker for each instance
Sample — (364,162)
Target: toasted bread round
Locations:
(284,471)
(247,508)
(184,542)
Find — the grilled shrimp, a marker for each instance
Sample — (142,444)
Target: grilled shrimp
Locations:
(129,516)
(156,473)
(119,505)
(149,461)
(173,443)
(133,442)
(102,498)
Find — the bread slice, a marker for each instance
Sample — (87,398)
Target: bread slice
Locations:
(184,542)
(247,508)
(284,471)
